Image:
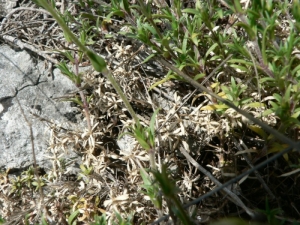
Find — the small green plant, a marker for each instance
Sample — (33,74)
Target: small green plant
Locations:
(97,61)
(99,220)
(102,220)
(152,189)
(170,192)
(72,217)
(146,137)
(2,220)
(271,213)
(76,79)
(122,221)
(27,180)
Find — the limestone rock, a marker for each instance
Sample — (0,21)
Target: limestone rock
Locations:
(24,78)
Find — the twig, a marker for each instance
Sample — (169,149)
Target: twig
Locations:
(42,205)
(237,178)
(19,9)
(22,45)
(202,83)
(233,196)
(255,172)
(269,129)
(85,104)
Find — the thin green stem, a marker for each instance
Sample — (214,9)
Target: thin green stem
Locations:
(83,99)
(93,57)
(114,83)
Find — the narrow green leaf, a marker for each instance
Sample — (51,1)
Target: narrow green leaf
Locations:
(199,76)
(62,66)
(296,10)
(44,221)
(264,44)
(249,30)
(296,114)
(242,61)
(266,79)
(98,62)
(148,58)
(152,122)
(194,38)
(277,97)
(214,107)
(145,177)
(255,105)
(72,217)
(267,112)
(184,43)
(143,143)
(192,11)
(242,68)
(150,28)
(83,168)
(294,72)
(237,6)
(211,49)
(258,130)
(125,6)
(159,82)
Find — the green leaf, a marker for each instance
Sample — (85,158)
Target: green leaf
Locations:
(150,28)
(242,68)
(241,61)
(264,44)
(98,62)
(266,79)
(255,105)
(277,97)
(145,177)
(210,49)
(296,114)
(194,38)
(62,66)
(268,112)
(44,221)
(287,94)
(125,6)
(199,76)
(152,122)
(258,130)
(67,54)
(294,72)
(143,143)
(191,11)
(72,217)
(148,58)
(237,6)
(2,220)
(296,10)
(249,30)
(184,43)
(67,37)
(214,107)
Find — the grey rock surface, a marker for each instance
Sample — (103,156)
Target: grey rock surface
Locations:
(23,77)
(6,6)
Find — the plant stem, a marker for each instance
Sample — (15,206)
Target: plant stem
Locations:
(151,153)
(116,86)
(85,105)
(84,49)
